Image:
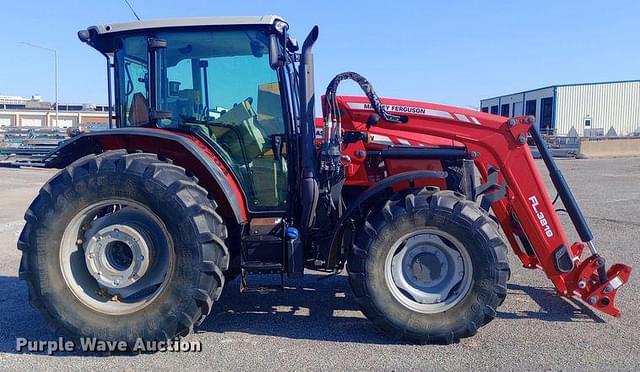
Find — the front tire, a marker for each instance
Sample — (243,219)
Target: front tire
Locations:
(120,246)
(429,268)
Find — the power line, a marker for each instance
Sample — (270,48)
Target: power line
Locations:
(132,10)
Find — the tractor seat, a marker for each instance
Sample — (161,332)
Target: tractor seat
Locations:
(244,140)
(139,111)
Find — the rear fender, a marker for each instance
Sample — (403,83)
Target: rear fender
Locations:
(184,149)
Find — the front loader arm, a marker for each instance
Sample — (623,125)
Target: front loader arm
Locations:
(526,213)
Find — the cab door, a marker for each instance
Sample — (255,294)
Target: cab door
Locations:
(220,83)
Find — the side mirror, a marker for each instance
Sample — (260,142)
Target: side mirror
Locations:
(275,58)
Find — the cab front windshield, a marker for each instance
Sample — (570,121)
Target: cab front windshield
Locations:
(219,84)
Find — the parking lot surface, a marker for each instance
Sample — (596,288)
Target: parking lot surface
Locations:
(316,325)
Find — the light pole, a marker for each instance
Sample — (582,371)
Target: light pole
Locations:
(55,62)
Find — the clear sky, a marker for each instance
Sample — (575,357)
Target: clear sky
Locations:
(453,52)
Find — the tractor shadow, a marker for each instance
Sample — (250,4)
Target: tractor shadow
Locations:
(553,307)
(326,310)
(308,309)
(314,308)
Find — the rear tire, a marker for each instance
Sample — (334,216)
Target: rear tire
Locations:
(464,234)
(181,231)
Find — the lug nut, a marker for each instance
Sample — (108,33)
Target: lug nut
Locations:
(592,300)
(608,289)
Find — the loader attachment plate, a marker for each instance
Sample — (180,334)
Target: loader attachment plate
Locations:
(601,295)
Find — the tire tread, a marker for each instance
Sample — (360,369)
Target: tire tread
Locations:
(432,201)
(213,252)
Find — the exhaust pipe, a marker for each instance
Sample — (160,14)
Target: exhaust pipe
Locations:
(309,192)
(307,105)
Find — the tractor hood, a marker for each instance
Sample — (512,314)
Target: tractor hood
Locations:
(359,109)
(422,110)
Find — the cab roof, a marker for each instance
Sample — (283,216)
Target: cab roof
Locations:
(184,22)
(102,37)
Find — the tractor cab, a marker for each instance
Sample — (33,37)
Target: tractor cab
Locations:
(214,77)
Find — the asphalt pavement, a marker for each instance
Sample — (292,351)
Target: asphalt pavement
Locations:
(316,325)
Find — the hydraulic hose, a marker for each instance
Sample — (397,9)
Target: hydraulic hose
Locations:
(368,90)
(331,141)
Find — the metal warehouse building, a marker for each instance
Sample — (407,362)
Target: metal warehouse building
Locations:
(591,108)
(16,111)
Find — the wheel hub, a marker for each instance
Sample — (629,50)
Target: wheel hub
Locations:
(426,270)
(117,256)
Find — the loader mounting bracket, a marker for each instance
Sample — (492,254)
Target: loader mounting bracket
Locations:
(491,190)
(335,255)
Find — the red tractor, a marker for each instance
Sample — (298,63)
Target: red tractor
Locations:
(216,166)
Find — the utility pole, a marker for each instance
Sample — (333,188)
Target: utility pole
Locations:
(55,65)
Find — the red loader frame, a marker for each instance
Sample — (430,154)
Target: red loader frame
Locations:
(527,211)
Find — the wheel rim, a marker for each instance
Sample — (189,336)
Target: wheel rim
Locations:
(116,256)
(428,271)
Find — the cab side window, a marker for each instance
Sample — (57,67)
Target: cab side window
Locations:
(134,94)
(221,85)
